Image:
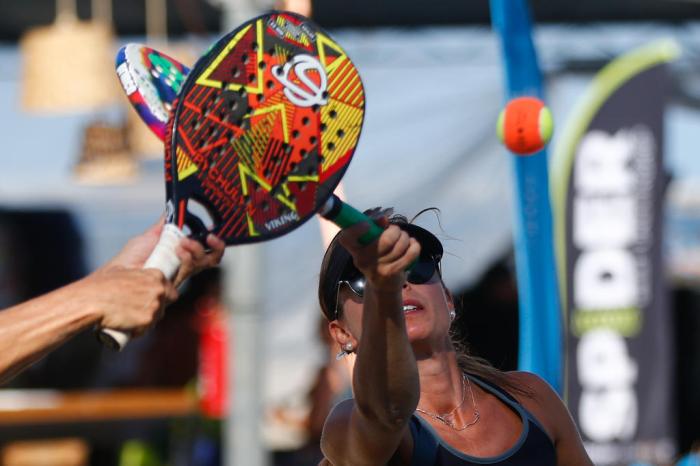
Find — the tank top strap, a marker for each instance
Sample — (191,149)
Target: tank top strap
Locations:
(494,389)
(509,400)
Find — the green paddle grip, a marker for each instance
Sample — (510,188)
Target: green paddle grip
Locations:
(344,216)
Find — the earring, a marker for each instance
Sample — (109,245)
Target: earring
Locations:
(347,349)
(453,314)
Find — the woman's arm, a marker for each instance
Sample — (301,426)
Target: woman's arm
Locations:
(369,429)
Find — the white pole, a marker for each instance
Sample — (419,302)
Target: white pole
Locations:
(242,437)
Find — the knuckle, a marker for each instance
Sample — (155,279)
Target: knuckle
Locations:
(393,231)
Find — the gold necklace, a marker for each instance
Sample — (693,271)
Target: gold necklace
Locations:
(445,418)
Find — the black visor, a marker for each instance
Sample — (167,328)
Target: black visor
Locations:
(421,272)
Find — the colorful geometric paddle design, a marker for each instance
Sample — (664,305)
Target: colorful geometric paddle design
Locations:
(264,129)
(260,134)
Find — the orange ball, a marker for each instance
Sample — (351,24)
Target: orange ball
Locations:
(525,126)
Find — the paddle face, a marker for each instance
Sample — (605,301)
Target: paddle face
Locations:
(151,80)
(263,130)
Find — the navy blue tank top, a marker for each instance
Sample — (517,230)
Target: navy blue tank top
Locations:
(533,448)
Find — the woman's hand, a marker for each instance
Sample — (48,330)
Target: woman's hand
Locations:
(384,261)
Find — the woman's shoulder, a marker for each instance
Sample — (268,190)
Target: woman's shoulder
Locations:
(540,399)
(534,390)
(531,383)
(551,412)
(520,385)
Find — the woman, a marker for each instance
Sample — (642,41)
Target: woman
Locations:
(416,400)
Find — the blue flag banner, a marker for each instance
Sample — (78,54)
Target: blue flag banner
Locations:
(540,341)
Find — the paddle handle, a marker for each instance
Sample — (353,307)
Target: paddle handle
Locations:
(344,216)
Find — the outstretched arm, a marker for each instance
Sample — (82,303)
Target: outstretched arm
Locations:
(369,429)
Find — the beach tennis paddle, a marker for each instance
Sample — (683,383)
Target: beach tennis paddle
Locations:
(151,81)
(263,130)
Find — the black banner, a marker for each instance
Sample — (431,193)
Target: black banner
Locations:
(619,356)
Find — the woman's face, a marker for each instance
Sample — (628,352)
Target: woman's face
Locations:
(426,310)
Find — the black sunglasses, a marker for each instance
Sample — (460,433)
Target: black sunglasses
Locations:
(421,272)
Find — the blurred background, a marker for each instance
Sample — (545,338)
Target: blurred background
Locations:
(241,370)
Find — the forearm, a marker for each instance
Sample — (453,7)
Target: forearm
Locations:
(30,330)
(385,379)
